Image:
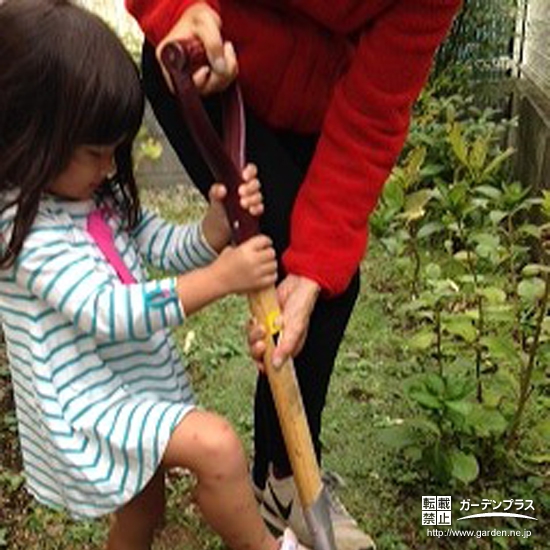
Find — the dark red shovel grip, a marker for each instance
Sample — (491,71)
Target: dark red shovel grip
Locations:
(224,157)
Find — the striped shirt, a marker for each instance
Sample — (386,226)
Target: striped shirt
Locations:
(97,379)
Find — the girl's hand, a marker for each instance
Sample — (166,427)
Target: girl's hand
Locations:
(201,21)
(215,224)
(247,267)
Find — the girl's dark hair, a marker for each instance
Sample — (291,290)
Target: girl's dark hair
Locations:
(65,80)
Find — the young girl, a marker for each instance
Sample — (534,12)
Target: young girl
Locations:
(103,403)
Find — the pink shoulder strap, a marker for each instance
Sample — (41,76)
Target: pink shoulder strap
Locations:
(102,234)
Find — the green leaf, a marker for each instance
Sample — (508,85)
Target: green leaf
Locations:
(479,151)
(531,290)
(491,192)
(438,460)
(458,144)
(494,295)
(502,313)
(487,246)
(462,407)
(397,437)
(546,202)
(413,453)
(496,163)
(422,340)
(464,466)
(530,230)
(429,229)
(457,388)
(496,216)
(424,426)
(393,195)
(538,459)
(543,430)
(486,421)
(434,384)
(433,271)
(444,287)
(487,239)
(458,195)
(501,348)
(424,398)
(413,164)
(462,327)
(430,170)
(530,270)
(415,204)
(464,256)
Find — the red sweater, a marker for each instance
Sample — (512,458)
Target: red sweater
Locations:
(350,69)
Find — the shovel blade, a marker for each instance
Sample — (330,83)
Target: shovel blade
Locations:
(319,523)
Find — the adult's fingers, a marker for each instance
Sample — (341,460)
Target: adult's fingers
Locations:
(220,74)
(206,25)
(200,21)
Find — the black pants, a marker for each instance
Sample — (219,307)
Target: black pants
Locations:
(282,159)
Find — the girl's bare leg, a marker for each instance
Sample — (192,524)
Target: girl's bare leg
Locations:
(134,525)
(207,445)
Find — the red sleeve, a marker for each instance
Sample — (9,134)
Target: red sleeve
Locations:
(157,17)
(363,132)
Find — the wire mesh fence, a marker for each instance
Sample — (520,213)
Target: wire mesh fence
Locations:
(534,50)
(478,56)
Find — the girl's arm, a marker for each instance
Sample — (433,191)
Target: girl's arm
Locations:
(172,247)
(83,288)
(181,248)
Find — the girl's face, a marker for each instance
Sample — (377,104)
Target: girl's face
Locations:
(87,170)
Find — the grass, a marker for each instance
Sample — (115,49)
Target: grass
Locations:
(366,394)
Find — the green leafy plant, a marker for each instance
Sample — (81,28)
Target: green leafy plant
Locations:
(476,248)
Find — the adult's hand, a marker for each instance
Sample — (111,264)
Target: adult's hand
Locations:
(202,22)
(297,296)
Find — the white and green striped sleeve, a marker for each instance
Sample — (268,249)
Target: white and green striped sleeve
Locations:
(172,247)
(69,281)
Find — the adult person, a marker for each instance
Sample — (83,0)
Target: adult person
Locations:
(329,88)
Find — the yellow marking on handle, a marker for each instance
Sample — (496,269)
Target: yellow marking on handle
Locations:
(271,321)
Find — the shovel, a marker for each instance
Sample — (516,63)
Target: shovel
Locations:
(225,158)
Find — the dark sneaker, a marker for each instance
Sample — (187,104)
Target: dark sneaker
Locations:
(280,507)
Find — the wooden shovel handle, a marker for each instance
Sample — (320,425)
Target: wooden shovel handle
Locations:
(288,401)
